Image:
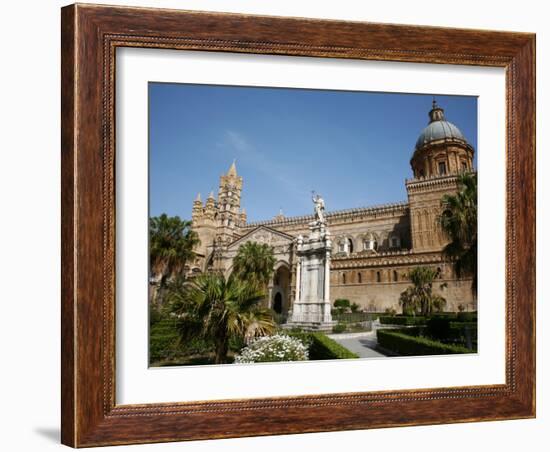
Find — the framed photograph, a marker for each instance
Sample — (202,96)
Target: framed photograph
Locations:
(271,225)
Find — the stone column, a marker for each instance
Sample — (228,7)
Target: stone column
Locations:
(327,316)
(298,279)
(327,277)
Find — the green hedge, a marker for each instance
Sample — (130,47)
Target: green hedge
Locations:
(353,317)
(339,328)
(403,344)
(466,317)
(464,333)
(402,320)
(323,347)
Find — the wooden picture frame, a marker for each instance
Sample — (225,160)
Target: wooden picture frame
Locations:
(90,36)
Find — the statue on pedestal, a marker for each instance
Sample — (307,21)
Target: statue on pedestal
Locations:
(311,306)
(319,204)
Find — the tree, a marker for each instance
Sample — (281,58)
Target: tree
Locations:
(171,244)
(254,263)
(408,301)
(342,305)
(420,297)
(217,309)
(459,222)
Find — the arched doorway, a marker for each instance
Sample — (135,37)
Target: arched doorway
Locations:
(280,291)
(278,303)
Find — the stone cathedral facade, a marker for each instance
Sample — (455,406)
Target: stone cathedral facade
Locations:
(373,248)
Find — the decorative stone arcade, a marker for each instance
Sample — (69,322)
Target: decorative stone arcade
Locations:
(311,307)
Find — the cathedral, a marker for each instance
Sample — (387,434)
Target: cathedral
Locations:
(373,248)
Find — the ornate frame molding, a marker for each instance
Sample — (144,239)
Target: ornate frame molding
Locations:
(90,37)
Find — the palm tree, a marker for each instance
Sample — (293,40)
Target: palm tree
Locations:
(420,297)
(254,263)
(459,222)
(217,308)
(408,301)
(171,244)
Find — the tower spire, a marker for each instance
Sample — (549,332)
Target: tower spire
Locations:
(232,169)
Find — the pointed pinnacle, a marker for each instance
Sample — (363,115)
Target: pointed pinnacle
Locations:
(232,169)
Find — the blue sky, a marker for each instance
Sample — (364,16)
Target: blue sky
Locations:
(351,147)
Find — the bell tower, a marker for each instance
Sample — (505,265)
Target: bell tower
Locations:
(440,155)
(229,203)
(204,224)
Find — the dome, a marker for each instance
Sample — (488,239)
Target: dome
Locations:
(438,129)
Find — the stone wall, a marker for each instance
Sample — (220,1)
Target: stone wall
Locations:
(380,296)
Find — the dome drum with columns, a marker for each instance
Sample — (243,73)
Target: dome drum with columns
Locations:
(374,247)
(441,149)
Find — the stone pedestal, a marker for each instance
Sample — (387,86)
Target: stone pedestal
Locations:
(311,307)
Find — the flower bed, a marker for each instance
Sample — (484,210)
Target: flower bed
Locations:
(279,347)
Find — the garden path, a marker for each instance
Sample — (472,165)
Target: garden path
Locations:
(362,344)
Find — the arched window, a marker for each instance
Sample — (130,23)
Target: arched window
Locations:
(350,246)
(395,277)
(359,278)
(343,278)
(378,277)
(442,167)
(370,243)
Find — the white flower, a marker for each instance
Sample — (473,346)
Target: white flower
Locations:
(279,347)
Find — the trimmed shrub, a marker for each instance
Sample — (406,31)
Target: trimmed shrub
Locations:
(444,315)
(342,305)
(463,325)
(402,320)
(323,347)
(466,317)
(464,333)
(353,317)
(406,345)
(277,348)
(339,328)
(439,327)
